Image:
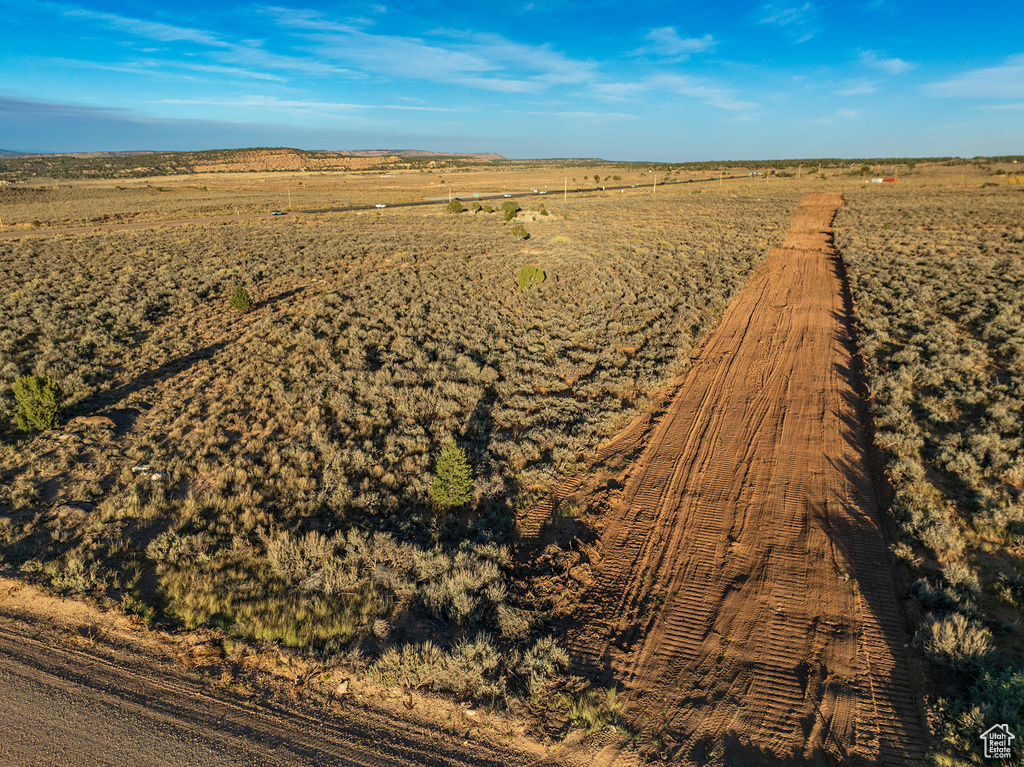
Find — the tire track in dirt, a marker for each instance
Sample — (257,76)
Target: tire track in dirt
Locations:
(135,712)
(744,595)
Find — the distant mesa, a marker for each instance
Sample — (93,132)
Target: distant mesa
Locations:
(418,153)
(143,163)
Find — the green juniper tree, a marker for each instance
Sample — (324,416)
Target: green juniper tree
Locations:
(529,276)
(511,208)
(453,478)
(241,300)
(39,403)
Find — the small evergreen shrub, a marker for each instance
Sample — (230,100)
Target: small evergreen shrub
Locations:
(529,276)
(456,206)
(520,233)
(453,482)
(511,208)
(39,403)
(476,207)
(241,300)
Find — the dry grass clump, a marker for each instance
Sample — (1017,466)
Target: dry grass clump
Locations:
(955,641)
(596,710)
(270,473)
(938,279)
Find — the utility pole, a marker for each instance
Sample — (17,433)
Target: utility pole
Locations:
(289,197)
(655,184)
(449,192)
(565,190)
(1,224)
(799,170)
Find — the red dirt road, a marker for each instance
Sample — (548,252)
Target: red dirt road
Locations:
(744,593)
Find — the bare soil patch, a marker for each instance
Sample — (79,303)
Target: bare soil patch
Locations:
(741,588)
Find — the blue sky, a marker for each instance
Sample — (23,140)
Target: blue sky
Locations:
(669,81)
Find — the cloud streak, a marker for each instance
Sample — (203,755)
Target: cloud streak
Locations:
(481,61)
(677,85)
(269,102)
(891,66)
(1001,82)
(800,22)
(153,30)
(665,41)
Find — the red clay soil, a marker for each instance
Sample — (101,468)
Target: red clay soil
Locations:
(744,595)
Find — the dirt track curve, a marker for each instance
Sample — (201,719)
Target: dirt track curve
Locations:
(744,594)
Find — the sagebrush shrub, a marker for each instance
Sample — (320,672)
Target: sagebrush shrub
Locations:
(456,206)
(543,667)
(295,559)
(241,300)
(39,402)
(956,641)
(473,669)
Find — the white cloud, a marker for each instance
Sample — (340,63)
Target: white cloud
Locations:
(665,41)
(153,30)
(295,105)
(695,88)
(679,85)
(160,67)
(892,66)
(580,115)
(799,21)
(483,61)
(616,91)
(838,116)
(858,88)
(1002,82)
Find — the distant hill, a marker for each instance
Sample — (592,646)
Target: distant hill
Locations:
(418,153)
(21,166)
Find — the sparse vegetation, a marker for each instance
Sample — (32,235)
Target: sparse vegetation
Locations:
(275,481)
(938,277)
